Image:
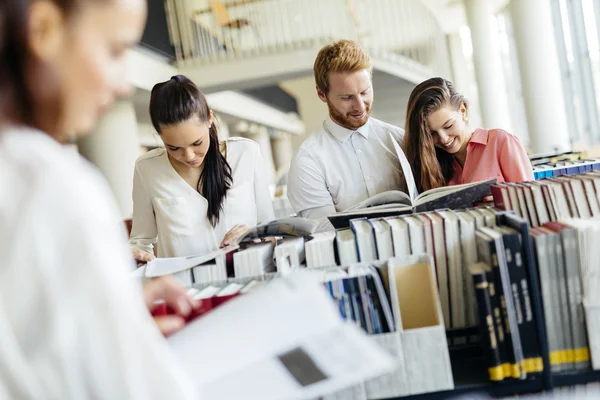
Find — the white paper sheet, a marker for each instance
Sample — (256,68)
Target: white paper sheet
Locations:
(238,350)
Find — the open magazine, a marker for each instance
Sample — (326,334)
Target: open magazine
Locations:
(290,226)
(397,202)
(280,227)
(296,347)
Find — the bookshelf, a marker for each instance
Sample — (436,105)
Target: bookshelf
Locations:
(467,361)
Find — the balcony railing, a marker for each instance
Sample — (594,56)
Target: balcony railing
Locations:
(404,31)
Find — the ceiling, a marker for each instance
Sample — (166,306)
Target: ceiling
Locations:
(451,13)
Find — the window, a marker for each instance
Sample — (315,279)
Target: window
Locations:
(576,29)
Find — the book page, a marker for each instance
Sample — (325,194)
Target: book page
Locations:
(406,169)
(441,191)
(172,265)
(382,200)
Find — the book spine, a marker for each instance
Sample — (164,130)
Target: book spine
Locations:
(346,296)
(364,301)
(498,199)
(357,310)
(487,252)
(560,281)
(581,352)
(380,320)
(532,362)
(487,327)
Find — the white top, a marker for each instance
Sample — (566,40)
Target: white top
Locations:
(336,168)
(73,324)
(166,208)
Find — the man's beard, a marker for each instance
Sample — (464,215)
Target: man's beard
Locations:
(347,121)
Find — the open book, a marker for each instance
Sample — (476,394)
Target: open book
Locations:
(396,202)
(294,348)
(291,226)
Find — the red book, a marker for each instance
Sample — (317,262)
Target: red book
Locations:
(501,197)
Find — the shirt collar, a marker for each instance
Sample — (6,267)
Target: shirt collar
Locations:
(480,136)
(342,134)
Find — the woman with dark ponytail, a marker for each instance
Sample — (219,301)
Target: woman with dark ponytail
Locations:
(196,193)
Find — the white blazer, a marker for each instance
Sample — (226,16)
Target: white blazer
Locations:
(167,210)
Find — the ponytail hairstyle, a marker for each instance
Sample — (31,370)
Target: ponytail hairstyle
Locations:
(432,166)
(175,101)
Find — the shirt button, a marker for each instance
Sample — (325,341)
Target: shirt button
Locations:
(358,151)
(369,177)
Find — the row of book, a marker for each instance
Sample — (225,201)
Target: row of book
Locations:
(566,167)
(554,199)
(557,264)
(505,284)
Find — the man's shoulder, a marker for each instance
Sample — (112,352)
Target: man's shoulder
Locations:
(315,139)
(380,125)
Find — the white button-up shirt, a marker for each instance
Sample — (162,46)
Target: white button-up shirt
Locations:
(73,324)
(166,208)
(336,168)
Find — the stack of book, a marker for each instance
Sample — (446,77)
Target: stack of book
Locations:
(506,285)
(549,200)
(397,303)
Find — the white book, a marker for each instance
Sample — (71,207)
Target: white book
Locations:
(320,250)
(468,250)
(427,235)
(365,240)
(400,236)
(346,247)
(255,260)
(289,253)
(417,235)
(298,343)
(441,265)
(456,272)
(479,218)
(383,239)
(590,193)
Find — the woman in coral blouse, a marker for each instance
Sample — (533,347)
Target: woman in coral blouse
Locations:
(443,150)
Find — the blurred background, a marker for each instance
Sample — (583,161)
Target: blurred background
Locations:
(531,67)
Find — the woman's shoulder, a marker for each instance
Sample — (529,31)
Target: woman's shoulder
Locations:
(499,135)
(241,148)
(150,157)
(241,143)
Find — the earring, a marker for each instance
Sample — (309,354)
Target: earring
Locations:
(466,119)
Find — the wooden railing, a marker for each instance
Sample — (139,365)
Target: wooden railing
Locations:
(235,29)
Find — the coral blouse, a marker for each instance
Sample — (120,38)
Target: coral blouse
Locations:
(493,153)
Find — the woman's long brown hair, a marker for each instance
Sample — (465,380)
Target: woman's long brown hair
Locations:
(432,167)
